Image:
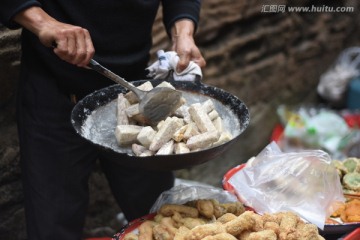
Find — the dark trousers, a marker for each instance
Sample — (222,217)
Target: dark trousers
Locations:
(57,163)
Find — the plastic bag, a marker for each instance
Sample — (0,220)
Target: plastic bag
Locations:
(309,127)
(333,83)
(302,182)
(181,194)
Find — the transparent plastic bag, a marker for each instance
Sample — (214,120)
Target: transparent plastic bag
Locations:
(310,127)
(302,182)
(181,194)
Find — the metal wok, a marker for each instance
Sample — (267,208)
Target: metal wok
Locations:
(94,118)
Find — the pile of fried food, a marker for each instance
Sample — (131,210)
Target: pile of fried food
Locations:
(210,220)
(347,212)
(349,173)
(190,128)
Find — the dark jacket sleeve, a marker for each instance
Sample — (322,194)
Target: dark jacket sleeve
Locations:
(9,8)
(174,10)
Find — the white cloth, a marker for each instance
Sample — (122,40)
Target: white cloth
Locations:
(166,62)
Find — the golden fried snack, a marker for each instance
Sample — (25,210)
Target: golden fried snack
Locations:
(288,223)
(351,212)
(191,203)
(131,236)
(199,232)
(158,218)
(271,218)
(146,230)
(169,209)
(188,222)
(219,211)
(169,223)
(162,232)
(243,222)
(338,211)
(247,226)
(211,207)
(178,219)
(291,234)
(205,208)
(307,231)
(259,223)
(165,230)
(274,226)
(354,218)
(263,235)
(220,236)
(227,217)
(180,234)
(235,208)
(244,235)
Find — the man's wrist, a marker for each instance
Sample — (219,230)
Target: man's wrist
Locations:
(32,18)
(183,27)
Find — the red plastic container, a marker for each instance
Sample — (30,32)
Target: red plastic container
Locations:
(354,235)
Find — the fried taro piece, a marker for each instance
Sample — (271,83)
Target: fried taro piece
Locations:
(288,225)
(165,230)
(146,230)
(205,208)
(168,210)
(264,235)
(235,208)
(307,231)
(272,226)
(242,223)
(227,217)
(131,236)
(205,230)
(180,234)
(210,208)
(220,236)
(188,222)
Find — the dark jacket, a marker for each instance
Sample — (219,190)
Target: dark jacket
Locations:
(120,30)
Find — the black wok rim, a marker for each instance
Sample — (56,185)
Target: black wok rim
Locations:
(84,108)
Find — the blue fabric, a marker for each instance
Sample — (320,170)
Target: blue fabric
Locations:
(353,95)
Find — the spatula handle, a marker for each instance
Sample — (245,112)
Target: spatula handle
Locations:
(114,77)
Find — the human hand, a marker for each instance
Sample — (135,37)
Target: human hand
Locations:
(184,45)
(72,43)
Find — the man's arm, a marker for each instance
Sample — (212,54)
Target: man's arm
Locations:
(9,8)
(182,36)
(71,43)
(181,19)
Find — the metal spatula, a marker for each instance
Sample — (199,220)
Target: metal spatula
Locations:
(155,105)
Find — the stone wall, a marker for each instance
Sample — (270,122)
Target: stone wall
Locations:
(265,59)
